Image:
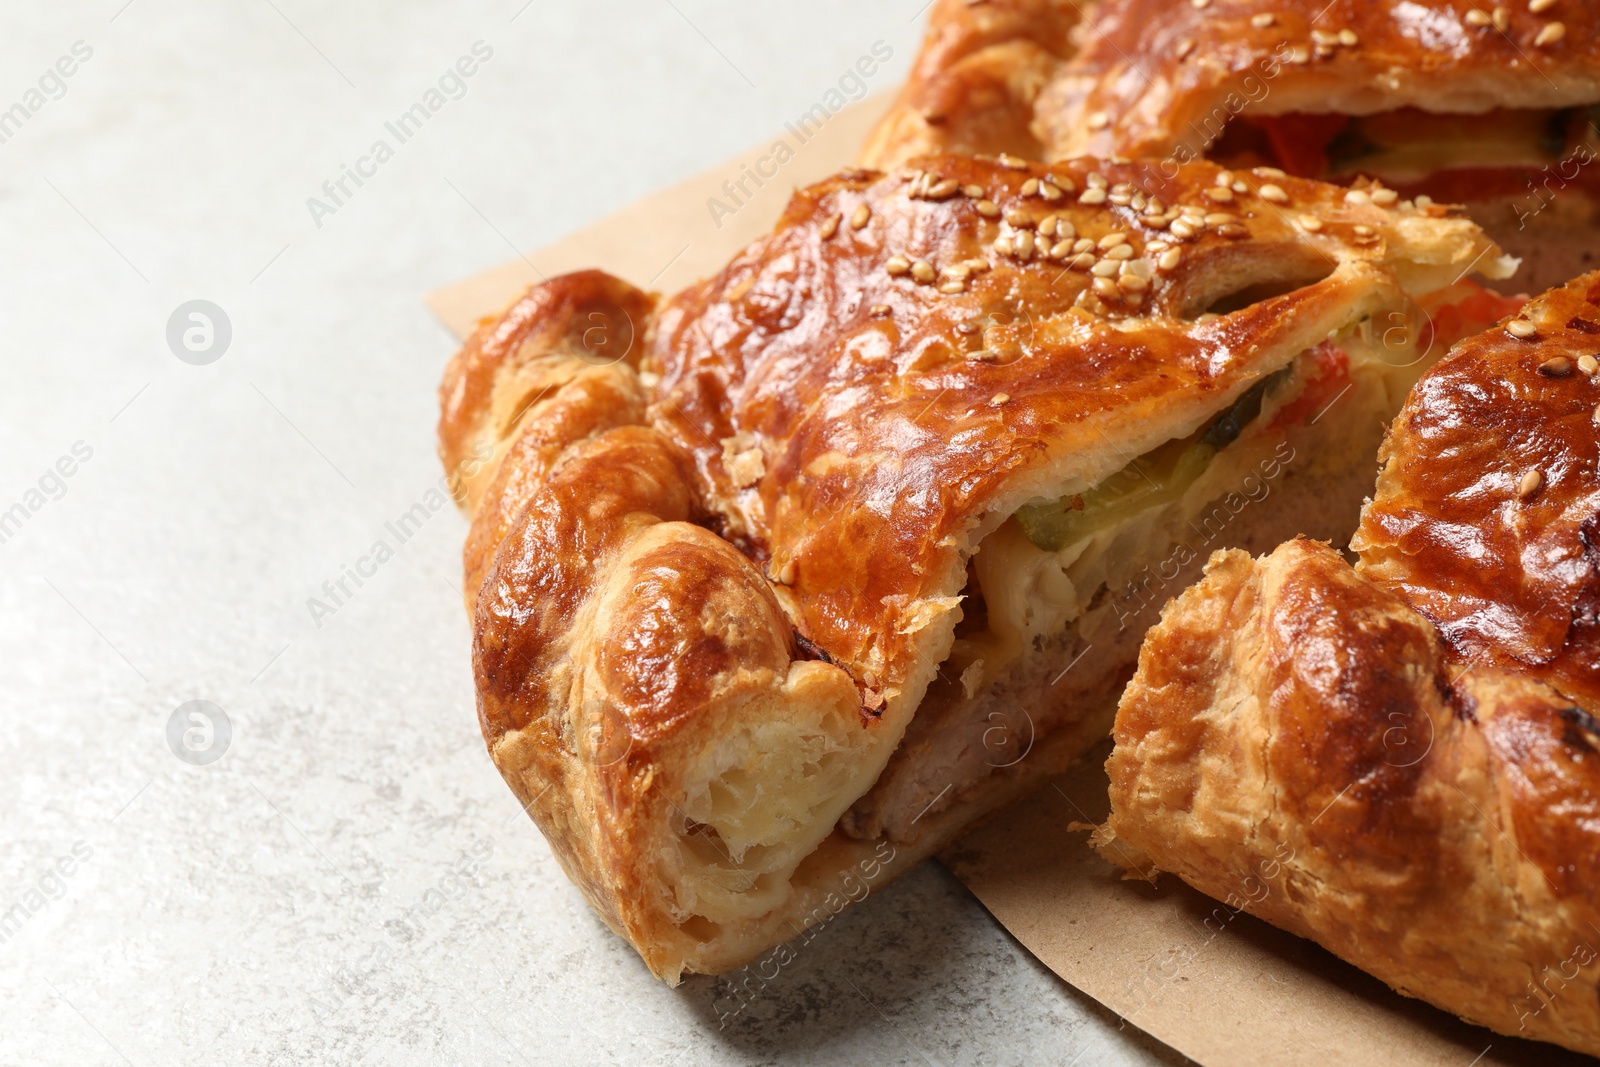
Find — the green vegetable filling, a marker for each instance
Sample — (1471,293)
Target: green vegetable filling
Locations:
(1156,479)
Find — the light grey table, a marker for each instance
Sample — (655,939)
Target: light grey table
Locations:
(350,882)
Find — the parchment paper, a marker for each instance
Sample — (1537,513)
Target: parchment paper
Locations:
(1219,986)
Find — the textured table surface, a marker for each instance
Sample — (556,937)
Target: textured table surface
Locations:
(183,502)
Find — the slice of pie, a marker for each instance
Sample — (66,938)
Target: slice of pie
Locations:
(778,584)
(1401,760)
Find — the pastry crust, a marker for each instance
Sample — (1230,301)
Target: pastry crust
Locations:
(1158,78)
(723,540)
(974,82)
(1400,760)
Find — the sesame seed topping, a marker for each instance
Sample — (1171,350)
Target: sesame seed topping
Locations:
(1019,218)
(1132,283)
(975,266)
(1170,259)
(1539,7)
(1083,245)
(1589,365)
(1097,180)
(1263,20)
(1348,38)
(1521,329)
(1357,196)
(1597,416)
(1093,196)
(1182,229)
(859,219)
(1047,225)
(1220,195)
(999,399)
(898,266)
(1003,246)
(1550,33)
(1106,288)
(1529,484)
(1049,191)
(953,286)
(1200,5)
(1030,187)
(1060,250)
(1011,162)
(1120,252)
(1081,261)
(1106,268)
(1271,172)
(988,209)
(1233,231)
(1501,18)
(1274,194)
(788,573)
(1363,230)
(830,226)
(1112,240)
(922,271)
(1384,197)
(1477,18)
(1556,367)
(1024,244)
(944,190)
(1220,218)
(1310,224)
(972,192)
(1099,120)
(1185,48)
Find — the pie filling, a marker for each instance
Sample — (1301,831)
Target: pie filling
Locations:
(1452,157)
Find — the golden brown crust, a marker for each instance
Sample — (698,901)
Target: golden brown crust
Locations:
(1158,78)
(1409,746)
(973,84)
(1298,744)
(1511,578)
(719,565)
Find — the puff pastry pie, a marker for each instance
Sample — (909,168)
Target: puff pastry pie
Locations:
(1400,760)
(1489,105)
(779,583)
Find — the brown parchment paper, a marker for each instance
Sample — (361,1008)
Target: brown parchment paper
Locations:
(1218,986)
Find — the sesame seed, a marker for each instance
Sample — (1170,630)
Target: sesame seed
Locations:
(1589,365)
(975,266)
(830,226)
(1120,252)
(1233,231)
(1556,367)
(1132,283)
(788,573)
(953,286)
(1220,195)
(1047,225)
(1220,218)
(1185,48)
(1521,329)
(1112,240)
(1263,20)
(1019,218)
(1097,180)
(1357,196)
(972,192)
(1083,245)
(1011,162)
(1477,18)
(1081,261)
(1093,196)
(859,219)
(1363,231)
(1121,199)
(1024,244)
(1030,187)
(988,209)
(922,271)
(1099,120)
(1224,178)
(1501,18)
(1274,194)
(1182,229)
(1066,185)
(1550,34)
(1597,416)
(1200,5)
(1539,7)
(999,399)
(1003,246)
(1170,259)
(1049,191)
(1271,172)
(1060,250)
(1299,55)
(1106,268)
(1348,38)
(879,311)
(897,266)
(1105,287)
(1384,197)
(1529,484)
(1310,223)
(944,190)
